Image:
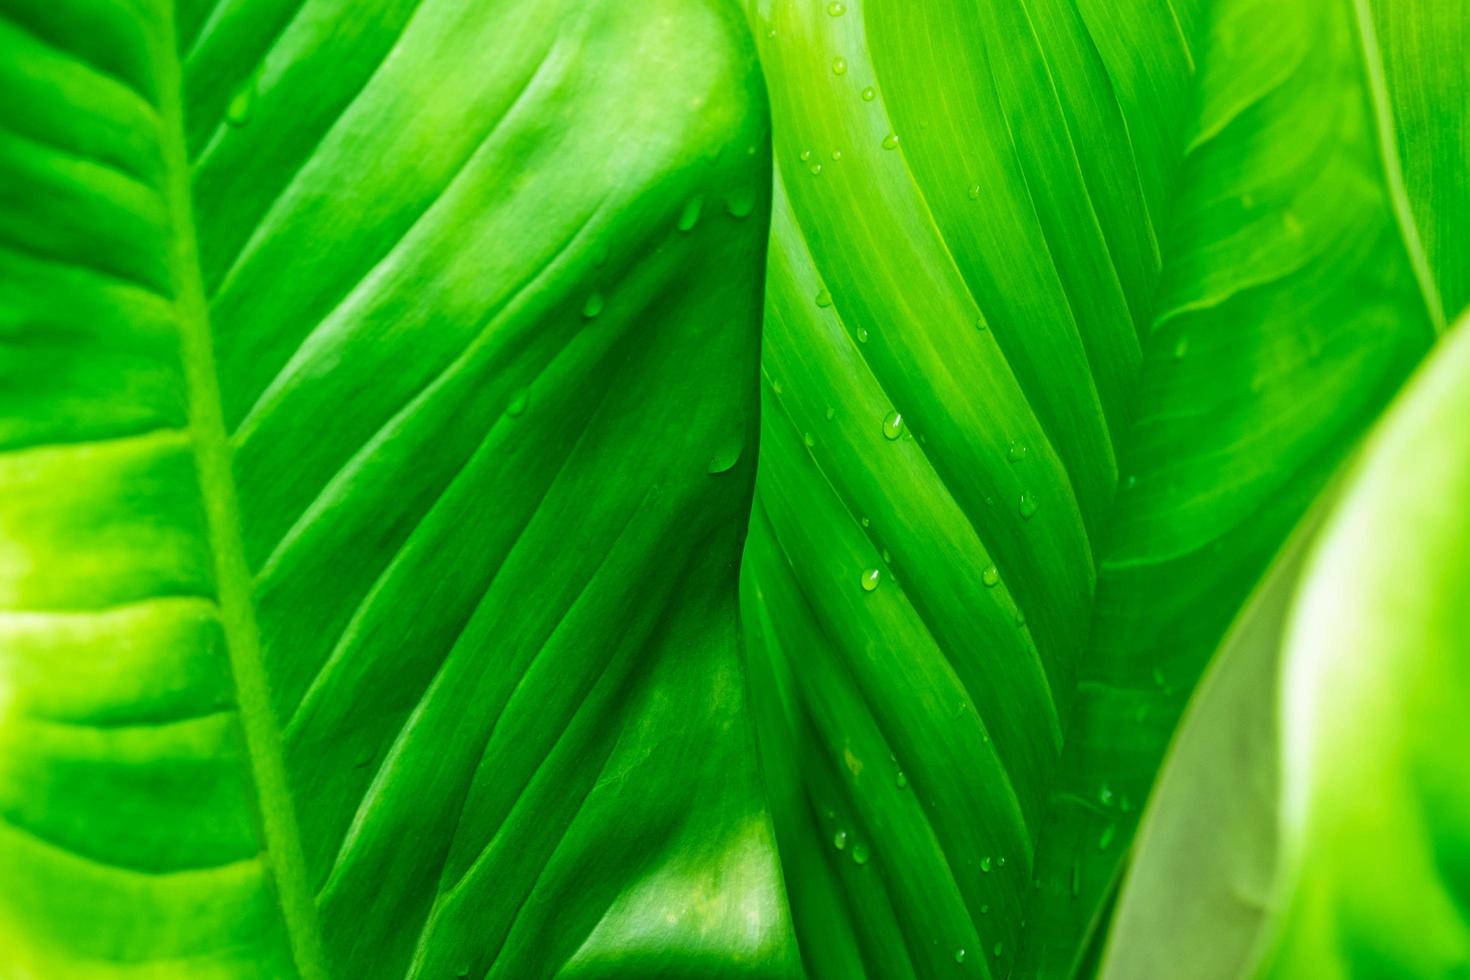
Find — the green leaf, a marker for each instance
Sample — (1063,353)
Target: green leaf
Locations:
(1072,310)
(377,406)
(1375,876)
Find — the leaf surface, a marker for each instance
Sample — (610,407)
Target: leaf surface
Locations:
(377,406)
(1072,309)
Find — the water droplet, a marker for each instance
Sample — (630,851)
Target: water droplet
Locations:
(985,864)
(860,854)
(814,169)
(890,142)
(985,910)
(1105,794)
(870,579)
(1181,348)
(823,299)
(725,458)
(997,949)
(836,154)
(1016,453)
(959,955)
(806,155)
(974,192)
(892,425)
(1027,505)
(1132,481)
(839,840)
(593,306)
(862,335)
(839,66)
(836,9)
(901,781)
(869,94)
(809,439)
(242,102)
(991,576)
(864,521)
(689,216)
(463,971)
(1020,618)
(1105,839)
(1000,862)
(831,413)
(980,324)
(740,204)
(518,402)
(1159,679)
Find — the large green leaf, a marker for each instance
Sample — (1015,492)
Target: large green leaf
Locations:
(1073,307)
(377,402)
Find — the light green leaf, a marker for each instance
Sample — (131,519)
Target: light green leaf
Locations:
(1072,310)
(1375,877)
(377,406)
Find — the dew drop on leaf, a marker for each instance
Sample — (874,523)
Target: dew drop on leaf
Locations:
(823,299)
(1016,453)
(806,155)
(974,192)
(809,439)
(991,576)
(862,335)
(901,781)
(869,94)
(815,169)
(839,840)
(985,864)
(980,324)
(839,66)
(892,425)
(725,458)
(870,579)
(959,955)
(242,103)
(890,142)
(518,402)
(860,854)
(836,8)
(836,154)
(689,216)
(1027,505)
(740,204)
(593,306)
(998,948)
(1105,839)
(1181,348)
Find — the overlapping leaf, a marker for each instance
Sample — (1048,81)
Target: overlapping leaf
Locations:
(377,406)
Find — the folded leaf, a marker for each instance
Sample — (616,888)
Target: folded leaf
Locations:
(377,406)
(1072,309)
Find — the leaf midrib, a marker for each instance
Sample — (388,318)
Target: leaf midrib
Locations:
(233,581)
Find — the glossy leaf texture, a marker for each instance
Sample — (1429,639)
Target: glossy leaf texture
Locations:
(377,403)
(1072,309)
